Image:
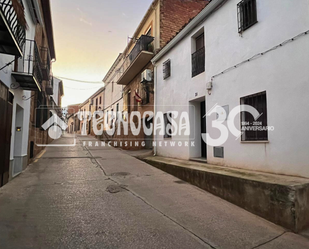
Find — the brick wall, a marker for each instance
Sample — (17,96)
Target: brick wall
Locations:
(135,84)
(175,14)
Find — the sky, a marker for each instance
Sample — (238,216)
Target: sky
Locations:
(88,36)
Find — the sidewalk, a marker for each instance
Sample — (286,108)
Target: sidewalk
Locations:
(280,199)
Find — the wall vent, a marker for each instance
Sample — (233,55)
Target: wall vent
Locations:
(219,152)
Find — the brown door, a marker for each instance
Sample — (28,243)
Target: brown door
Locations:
(6,110)
(203,129)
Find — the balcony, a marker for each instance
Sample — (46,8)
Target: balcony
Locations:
(198,62)
(12,33)
(45,56)
(49,89)
(138,58)
(29,73)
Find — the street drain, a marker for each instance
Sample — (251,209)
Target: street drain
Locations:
(113,189)
(120,174)
(180,182)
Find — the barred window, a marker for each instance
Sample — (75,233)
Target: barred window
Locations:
(167,125)
(247,14)
(198,57)
(255,130)
(166,69)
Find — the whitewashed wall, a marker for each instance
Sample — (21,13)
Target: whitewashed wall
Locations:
(283,73)
(55,96)
(20,148)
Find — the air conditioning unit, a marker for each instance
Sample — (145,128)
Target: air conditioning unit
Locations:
(146,76)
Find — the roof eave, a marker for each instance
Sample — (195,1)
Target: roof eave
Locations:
(49,27)
(191,25)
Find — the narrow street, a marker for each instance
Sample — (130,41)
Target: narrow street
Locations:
(101,197)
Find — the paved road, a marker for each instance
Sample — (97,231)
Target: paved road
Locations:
(100,197)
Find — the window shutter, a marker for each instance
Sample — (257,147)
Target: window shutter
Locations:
(166,69)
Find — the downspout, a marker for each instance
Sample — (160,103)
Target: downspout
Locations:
(155,106)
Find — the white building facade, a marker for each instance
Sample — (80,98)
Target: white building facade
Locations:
(113,93)
(20,97)
(240,52)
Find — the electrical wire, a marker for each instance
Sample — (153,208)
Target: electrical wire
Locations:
(82,89)
(260,54)
(82,81)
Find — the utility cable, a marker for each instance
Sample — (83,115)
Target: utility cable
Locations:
(82,81)
(261,54)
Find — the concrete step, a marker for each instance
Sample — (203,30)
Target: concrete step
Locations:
(283,200)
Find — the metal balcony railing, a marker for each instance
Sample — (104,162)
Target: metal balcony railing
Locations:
(50,86)
(45,57)
(198,62)
(142,44)
(32,63)
(29,73)
(8,12)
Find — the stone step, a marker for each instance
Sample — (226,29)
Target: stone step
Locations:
(283,200)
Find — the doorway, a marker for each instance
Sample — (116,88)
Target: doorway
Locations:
(148,138)
(18,141)
(6,110)
(203,129)
(89,127)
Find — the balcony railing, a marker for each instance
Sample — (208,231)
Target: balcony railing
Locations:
(50,86)
(141,52)
(142,44)
(12,41)
(198,62)
(45,57)
(29,73)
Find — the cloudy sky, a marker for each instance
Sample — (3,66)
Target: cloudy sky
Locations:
(89,35)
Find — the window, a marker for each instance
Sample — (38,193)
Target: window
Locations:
(167,125)
(199,42)
(96,104)
(256,130)
(166,69)
(100,100)
(198,57)
(129,101)
(117,110)
(112,116)
(247,14)
(145,94)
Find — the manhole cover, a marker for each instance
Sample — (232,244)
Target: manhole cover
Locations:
(120,174)
(113,189)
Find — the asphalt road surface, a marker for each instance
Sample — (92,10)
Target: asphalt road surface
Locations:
(101,197)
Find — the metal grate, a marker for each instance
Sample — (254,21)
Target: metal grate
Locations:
(168,125)
(247,14)
(259,102)
(198,62)
(19,32)
(166,69)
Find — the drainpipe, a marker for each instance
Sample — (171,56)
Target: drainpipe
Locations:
(155,104)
